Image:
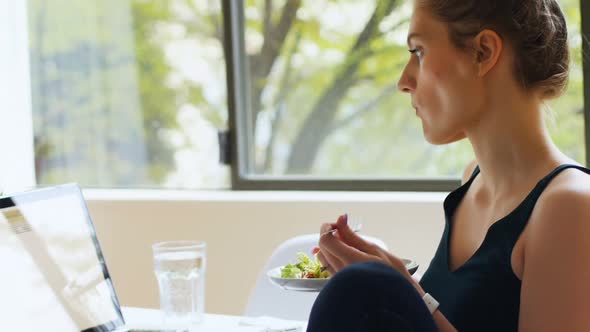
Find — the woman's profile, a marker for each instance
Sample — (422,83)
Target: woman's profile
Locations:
(515,251)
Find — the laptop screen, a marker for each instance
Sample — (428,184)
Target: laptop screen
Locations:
(53,274)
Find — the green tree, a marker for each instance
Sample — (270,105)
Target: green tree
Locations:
(106,95)
(341,114)
(101,102)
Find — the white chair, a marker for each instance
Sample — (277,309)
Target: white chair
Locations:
(267,299)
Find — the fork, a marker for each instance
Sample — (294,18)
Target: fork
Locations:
(356,228)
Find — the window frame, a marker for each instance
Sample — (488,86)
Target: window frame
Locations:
(17,171)
(19,143)
(239,123)
(585,18)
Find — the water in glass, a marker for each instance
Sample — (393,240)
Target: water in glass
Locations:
(181,278)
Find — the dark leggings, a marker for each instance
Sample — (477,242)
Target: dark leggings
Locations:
(370,297)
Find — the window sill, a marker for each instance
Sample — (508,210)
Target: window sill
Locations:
(260,196)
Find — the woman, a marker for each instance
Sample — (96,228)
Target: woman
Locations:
(515,253)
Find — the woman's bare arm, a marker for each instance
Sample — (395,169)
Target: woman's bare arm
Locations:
(555,293)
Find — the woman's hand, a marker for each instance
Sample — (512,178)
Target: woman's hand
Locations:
(345,247)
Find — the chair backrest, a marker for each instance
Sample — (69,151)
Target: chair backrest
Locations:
(267,299)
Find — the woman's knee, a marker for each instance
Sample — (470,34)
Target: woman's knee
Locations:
(363,295)
(368,276)
(369,271)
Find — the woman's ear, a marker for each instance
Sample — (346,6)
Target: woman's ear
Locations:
(488,46)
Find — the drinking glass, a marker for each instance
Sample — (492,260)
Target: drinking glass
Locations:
(180,269)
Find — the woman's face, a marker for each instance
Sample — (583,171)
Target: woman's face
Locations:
(441,79)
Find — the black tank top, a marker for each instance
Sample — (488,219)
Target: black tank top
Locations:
(483,294)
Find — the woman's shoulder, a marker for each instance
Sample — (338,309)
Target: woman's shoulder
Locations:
(565,203)
(569,189)
(570,183)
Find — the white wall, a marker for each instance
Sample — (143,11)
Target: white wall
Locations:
(16,128)
(242,229)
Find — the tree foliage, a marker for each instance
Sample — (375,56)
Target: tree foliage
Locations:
(101,103)
(108,94)
(330,101)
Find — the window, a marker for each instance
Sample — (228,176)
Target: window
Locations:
(133,93)
(323,109)
(128,93)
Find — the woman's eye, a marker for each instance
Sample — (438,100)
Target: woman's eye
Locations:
(419,53)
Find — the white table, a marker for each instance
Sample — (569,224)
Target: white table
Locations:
(141,318)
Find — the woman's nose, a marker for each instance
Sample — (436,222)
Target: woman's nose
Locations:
(406,83)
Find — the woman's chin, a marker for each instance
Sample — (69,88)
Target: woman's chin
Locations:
(438,138)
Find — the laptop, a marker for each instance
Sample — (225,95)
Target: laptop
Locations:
(54,276)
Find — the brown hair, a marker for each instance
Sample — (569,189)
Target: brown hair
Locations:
(536,30)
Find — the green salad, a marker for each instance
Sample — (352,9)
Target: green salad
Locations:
(305,268)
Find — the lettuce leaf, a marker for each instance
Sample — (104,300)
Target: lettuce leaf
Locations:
(304,268)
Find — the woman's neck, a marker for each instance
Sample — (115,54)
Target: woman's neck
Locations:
(511,144)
